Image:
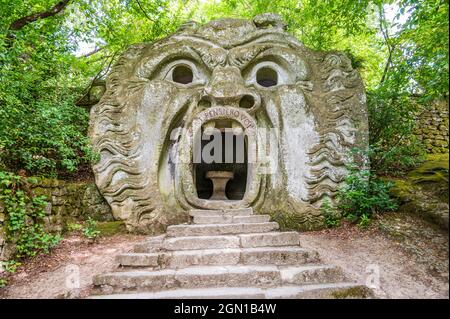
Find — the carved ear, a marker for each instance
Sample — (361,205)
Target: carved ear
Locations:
(188,26)
(269,20)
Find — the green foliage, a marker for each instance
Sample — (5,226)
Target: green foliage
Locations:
(11,265)
(394,148)
(43,78)
(3,282)
(415,72)
(74,227)
(90,229)
(25,214)
(363,195)
(330,214)
(41,130)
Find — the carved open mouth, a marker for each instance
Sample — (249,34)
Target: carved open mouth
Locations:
(221,171)
(218,166)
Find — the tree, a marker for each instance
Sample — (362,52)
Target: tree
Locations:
(47,87)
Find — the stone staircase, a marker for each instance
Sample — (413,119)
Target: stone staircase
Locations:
(225,254)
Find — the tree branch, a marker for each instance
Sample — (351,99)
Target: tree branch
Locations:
(387,40)
(86,55)
(95,80)
(20,23)
(143,11)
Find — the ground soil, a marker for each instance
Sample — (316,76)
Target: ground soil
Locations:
(46,276)
(410,253)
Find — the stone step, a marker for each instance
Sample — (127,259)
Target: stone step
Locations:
(219,212)
(151,244)
(312,274)
(229,219)
(340,290)
(213,276)
(192,277)
(270,239)
(289,255)
(199,293)
(219,229)
(201,242)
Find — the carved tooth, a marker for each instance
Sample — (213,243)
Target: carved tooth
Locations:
(236,127)
(208,128)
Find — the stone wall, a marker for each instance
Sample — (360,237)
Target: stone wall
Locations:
(432,127)
(72,201)
(67,202)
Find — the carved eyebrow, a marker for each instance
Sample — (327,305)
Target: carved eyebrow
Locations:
(210,53)
(245,55)
(156,61)
(198,50)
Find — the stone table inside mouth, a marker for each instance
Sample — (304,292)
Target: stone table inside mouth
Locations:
(219,180)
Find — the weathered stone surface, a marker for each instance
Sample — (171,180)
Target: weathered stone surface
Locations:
(137,259)
(192,277)
(432,126)
(220,229)
(202,293)
(225,213)
(231,219)
(225,256)
(230,276)
(277,256)
(218,257)
(270,239)
(312,274)
(236,265)
(202,242)
(249,76)
(150,245)
(321,291)
(424,191)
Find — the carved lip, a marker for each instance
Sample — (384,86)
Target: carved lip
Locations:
(186,184)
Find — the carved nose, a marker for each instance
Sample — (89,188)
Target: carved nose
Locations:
(227,88)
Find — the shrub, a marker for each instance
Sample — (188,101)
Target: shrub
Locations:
(363,195)
(392,121)
(24,217)
(44,138)
(90,229)
(330,214)
(74,227)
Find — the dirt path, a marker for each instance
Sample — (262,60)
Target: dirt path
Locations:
(411,255)
(408,267)
(47,276)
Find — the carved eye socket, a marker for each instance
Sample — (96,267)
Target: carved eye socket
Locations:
(266,77)
(182,74)
(266,74)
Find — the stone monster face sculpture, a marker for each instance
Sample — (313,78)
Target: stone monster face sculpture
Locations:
(293,113)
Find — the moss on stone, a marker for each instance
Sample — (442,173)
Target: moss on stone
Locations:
(401,188)
(431,175)
(424,191)
(435,165)
(352,292)
(111,228)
